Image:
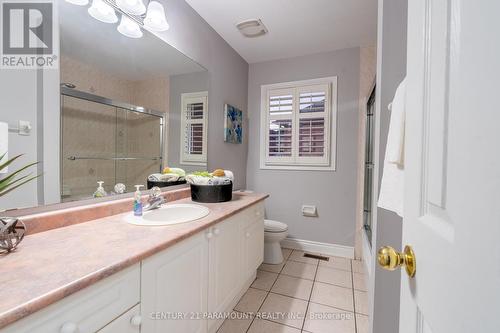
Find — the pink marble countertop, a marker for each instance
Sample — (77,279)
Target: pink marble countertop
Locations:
(51,265)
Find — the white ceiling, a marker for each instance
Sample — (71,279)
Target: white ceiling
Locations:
(101,45)
(296,27)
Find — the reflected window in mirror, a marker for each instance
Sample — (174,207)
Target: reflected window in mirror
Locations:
(194,128)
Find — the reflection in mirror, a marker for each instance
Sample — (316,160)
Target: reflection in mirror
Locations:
(130,108)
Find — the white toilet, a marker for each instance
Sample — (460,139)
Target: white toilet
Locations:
(274,233)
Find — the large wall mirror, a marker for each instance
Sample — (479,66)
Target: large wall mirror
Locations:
(129,108)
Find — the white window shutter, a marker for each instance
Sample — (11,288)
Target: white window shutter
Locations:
(194,128)
(298,122)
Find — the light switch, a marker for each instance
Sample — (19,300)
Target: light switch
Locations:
(309,210)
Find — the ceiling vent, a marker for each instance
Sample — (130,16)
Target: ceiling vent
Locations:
(252,28)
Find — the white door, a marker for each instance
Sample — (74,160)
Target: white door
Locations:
(452,167)
(253,246)
(174,288)
(225,267)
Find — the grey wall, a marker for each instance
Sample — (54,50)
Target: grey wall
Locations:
(391,70)
(333,192)
(228,81)
(15,85)
(180,84)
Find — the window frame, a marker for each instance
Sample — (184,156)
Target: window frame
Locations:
(296,162)
(194,159)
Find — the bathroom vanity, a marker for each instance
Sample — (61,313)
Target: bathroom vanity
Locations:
(109,276)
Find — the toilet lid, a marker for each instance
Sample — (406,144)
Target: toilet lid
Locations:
(274,226)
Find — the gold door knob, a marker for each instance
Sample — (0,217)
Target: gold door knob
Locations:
(390,259)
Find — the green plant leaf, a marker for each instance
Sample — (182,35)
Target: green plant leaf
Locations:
(13,188)
(4,182)
(3,187)
(4,165)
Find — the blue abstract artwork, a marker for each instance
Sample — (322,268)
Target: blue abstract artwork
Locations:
(233,124)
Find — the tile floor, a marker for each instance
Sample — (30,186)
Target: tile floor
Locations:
(303,295)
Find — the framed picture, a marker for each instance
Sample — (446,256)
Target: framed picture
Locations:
(233,124)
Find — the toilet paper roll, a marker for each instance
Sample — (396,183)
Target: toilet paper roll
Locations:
(4,144)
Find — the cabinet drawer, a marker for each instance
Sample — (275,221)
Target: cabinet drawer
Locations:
(88,310)
(129,322)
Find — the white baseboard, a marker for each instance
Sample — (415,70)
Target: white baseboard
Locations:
(317,247)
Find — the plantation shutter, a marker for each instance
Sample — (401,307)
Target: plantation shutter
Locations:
(314,123)
(193,128)
(298,125)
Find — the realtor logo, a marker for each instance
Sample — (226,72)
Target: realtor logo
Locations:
(28,34)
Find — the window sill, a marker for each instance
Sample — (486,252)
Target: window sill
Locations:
(298,167)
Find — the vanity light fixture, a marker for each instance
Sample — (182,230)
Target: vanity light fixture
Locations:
(129,28)
(134,7)
(79,2)
(103,12)
(155,19)
(252,28)
(134,15)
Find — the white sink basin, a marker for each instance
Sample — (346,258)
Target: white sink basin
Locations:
(169,214)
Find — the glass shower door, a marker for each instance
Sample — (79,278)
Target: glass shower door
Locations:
(87,147)
(138,147)
(102,142)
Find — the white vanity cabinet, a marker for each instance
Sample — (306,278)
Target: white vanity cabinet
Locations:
(88,310)
(176,290)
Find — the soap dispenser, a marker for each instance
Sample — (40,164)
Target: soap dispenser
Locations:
(138,201)
(100,192)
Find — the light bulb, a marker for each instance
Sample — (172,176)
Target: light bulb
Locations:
(79,2)
(134,7)
(103,12)
(155,18)
(129,28)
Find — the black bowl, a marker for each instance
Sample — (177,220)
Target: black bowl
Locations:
(212,193)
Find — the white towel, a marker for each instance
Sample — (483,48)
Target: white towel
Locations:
(229,174)
(392,187)
(163,177)
(4,144)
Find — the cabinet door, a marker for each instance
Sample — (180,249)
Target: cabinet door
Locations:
(225,265)
(174,288)
(253,247)
(129,322)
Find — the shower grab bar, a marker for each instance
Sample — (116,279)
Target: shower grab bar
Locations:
(74,158)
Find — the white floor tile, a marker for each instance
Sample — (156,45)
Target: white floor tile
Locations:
(299,269)
(334,276)
(293,287)
(237,323)
(251,301)
(359,281)
(335,296)
(325,319)
(362,323)
(361,301)
(264,326)
(284,310)
(264,280)
(337,262)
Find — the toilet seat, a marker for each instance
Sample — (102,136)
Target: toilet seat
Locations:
(274,226)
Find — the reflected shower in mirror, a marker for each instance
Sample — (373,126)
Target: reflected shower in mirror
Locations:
(132,109)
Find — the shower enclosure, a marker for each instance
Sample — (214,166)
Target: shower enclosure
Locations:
(106,140)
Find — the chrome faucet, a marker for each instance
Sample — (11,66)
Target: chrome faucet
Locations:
(155,199)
